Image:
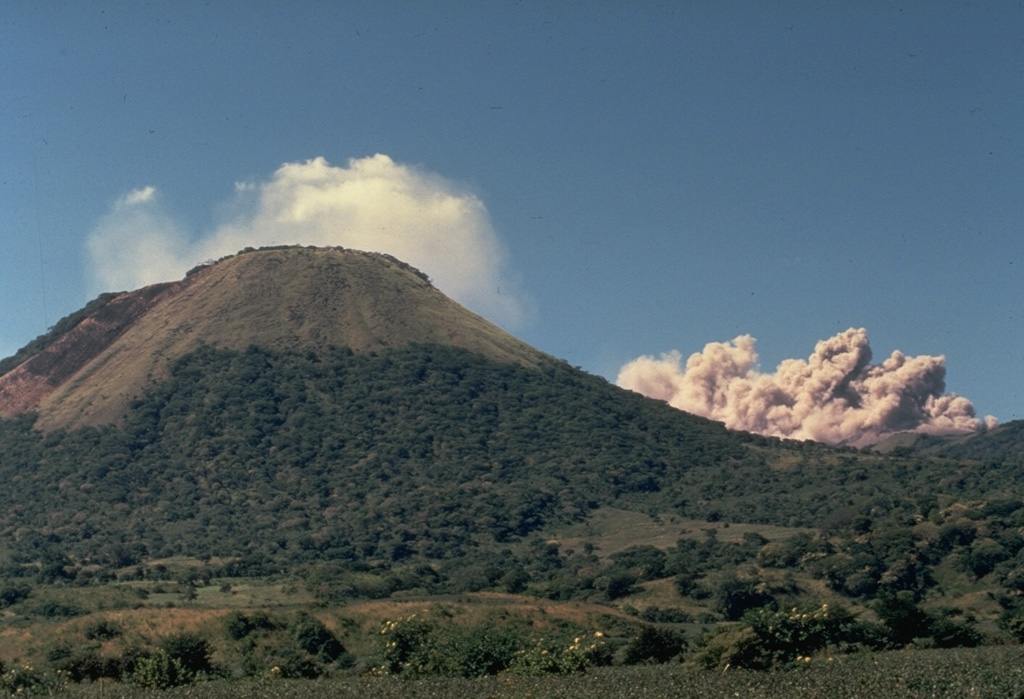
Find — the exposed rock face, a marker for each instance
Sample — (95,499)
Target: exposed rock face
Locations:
(284,299)
(26,386)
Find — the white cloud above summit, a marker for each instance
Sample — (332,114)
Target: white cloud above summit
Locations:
(372,204)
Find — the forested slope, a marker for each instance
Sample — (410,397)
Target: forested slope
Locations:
(425,462)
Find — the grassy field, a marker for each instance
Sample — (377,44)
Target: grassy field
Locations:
(611,529)
(995,672)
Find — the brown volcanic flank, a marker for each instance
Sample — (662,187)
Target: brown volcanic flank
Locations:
(290,298)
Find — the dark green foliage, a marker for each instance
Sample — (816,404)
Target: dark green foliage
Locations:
(287,661)
(482,650)
(87,664)
(433,470)
(515,580)
(190,650)
(1012,621)
(657,615)
(160,670)
(653,644)
(103,630)
(947,633)
(417,647)
(685,582)
(404,646)
(316,639)
(57,610)
(983,556)
(733,597)
(645,562)
(771,639)
(909,623)
(241,624)
(616,584)
(13,593)
(261,457)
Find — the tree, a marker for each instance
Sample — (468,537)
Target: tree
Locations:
(733,597)
(316,639)
(653,644)
(191,650)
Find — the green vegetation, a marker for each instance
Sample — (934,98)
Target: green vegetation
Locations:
(989,673)
(285,514)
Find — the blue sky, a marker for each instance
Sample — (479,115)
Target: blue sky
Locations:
(631,179)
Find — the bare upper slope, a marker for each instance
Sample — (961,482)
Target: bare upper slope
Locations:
(282,298)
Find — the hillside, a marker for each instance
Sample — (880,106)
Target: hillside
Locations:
(326,423)
(100,359)
(1004,443)
(434,456)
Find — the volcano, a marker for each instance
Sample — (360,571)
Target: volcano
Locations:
(290,299)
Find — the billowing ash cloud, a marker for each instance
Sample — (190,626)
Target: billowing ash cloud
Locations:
(372,204)
(836,396)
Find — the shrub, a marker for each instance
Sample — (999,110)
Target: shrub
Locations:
(733,597)
(102,630)
(764,640)
(653,644)
(515,580)
(316,639)
(685,582)
(618,583)
(239,625)
(25,679)
(481,650)
(907,622)
(403,644)
(86,664)
(415,647)
(671,615)
(287,661)
(951,634)
(160,671)
(1012,622)
(191,651)
(646,561)
(12,594)
(58,610)
(560,657)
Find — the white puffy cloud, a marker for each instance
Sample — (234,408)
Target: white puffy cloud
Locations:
(836,396)
(373,204)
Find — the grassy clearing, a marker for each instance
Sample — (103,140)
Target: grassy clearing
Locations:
(611,530)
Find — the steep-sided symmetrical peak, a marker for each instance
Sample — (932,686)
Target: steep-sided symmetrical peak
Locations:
(280,298)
